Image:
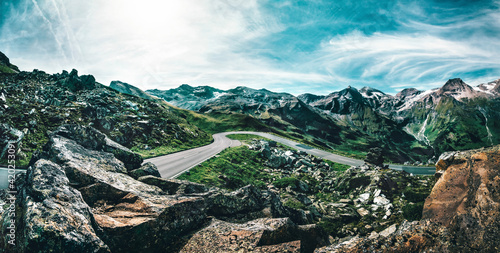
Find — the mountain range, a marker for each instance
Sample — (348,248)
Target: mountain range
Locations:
(412,126)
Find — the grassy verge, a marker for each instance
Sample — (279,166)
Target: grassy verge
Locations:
(231,169)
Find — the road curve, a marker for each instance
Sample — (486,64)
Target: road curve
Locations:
(171,166)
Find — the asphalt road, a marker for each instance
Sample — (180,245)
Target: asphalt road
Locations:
(171,166)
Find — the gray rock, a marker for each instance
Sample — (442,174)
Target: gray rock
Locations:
(148,169)
(53,213)
(363,198)
(303,199)
(303,186)
(77,83)
(11,135)
(375,157)
(388,231)
(381,201)
(91,138)
(363,212)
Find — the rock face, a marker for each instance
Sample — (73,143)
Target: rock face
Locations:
(76,197)
(6,66)
(53,213)
(147,169)
(92,139)
(466,198)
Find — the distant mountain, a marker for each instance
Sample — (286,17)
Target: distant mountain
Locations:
(294,116)
(455,116)
(411,126)
(129,89)
(277,110)
(188,97)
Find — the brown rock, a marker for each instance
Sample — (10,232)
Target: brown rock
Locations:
(261,235)
(466,198)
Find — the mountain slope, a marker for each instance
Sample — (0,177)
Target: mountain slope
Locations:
(5,65)
(34,103)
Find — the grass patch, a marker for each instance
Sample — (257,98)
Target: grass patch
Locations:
(246,137)
(287,181)
(6,70)
(158,151)
(337,166)
(232,169)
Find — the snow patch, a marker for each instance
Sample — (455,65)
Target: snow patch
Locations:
(408,104)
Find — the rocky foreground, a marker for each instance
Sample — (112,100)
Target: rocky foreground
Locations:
(86,193)
(460,215)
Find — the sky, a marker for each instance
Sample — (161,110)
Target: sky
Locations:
(315,46)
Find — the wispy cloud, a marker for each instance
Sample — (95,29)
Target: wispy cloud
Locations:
(316,46)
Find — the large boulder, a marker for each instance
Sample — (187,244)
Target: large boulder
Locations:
(249,203)
(91,138)
(375,157)
(77,83)
(52,216)
(466,198)
(125,209)
(261,235)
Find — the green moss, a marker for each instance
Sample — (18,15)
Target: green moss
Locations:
(286,181)
(293,203)
(334,228)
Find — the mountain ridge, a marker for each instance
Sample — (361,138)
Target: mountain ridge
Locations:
(366,116)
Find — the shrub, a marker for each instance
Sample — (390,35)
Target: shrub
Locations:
(413,212)
(413,196)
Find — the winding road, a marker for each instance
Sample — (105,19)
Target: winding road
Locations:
(173,165)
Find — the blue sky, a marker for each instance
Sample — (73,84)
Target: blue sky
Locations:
(315,46)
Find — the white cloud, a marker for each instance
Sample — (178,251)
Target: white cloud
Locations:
(408,58)
(162,44)
(147,43)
